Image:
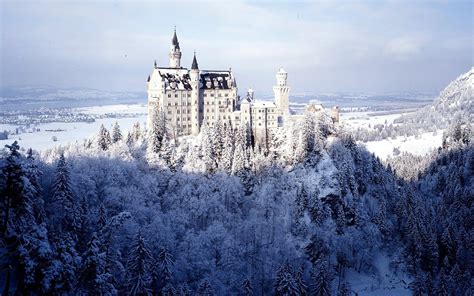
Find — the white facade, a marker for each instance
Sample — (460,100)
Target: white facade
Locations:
(190,97)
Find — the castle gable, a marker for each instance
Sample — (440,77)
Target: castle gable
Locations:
(175,79)
(216,80)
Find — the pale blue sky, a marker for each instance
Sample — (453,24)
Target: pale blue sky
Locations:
(326,46)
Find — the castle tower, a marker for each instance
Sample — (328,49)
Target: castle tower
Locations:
(282,92)
(175,52)
(195,102)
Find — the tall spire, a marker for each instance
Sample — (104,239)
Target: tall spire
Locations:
(194,66)
(175,41)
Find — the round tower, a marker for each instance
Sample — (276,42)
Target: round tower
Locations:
(195,102)
(175,52)
(282,92)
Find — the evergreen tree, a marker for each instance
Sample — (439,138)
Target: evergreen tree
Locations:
(207,149)
(286,283)
(104,140)
(321,279)
(247,288)
(228,150)
(157,132)
(62,274)
(93,278)
(28,251)
(116,133)
(138,267)
(205,289)
(163,274)
(136,132)
(63,197)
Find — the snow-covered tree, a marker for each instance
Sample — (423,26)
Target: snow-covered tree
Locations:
(321,279)
(139,268)
(116,133)
(93,277)
(286,283)
(103,139)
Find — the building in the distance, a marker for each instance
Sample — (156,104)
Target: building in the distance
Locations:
(191,97)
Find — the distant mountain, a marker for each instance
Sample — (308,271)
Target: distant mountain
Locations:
(455,102)
(457,99)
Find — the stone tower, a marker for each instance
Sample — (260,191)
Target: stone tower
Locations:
(175,52)
(282,92)
(195,98)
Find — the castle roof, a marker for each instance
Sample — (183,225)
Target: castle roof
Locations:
(212,79)
(175,41)
(194,66)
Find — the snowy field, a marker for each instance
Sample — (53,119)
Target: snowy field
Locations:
(418,145)
(71,132)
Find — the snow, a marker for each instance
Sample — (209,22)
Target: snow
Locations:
(70,132)
(420,145)
(384,281)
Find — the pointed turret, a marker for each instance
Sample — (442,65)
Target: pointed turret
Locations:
(194,66)
(175,52)
(175,41)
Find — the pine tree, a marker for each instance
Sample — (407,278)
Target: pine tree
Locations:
(62,275)
(138,267)
(247,288)
(163,273)
(228,150)
(183,290)
(136,132)
(286,283)
(205,289)
(240,153)
(26,241)
(63,196)
(302,287)
(116,133)
(93,279)
(321,279)
(157,132)
(33,174)
(207,149)
(103,139)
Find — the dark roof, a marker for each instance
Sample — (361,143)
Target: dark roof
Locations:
(148,80)
(175,40)
(216,80)
(176,81)
(194,66)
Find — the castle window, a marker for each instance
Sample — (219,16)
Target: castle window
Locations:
(219,95)
(177,111)
(205,95)
(219,101)
(170,112)
(169,104)
(175,95)
(189,118)
(212,94)
(177,119)
(176,104)
(169,95)
(226,95)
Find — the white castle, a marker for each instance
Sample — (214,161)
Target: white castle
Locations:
(191,97)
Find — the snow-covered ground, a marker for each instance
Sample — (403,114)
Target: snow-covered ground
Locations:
(419,145)
(71,132)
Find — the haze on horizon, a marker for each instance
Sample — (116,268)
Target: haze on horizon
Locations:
(325,46)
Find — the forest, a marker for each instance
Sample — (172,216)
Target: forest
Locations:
(141,213)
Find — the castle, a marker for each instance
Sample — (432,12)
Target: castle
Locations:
(191,97)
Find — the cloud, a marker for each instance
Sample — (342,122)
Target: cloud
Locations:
(405,47)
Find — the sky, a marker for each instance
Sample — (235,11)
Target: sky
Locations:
(325,46)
